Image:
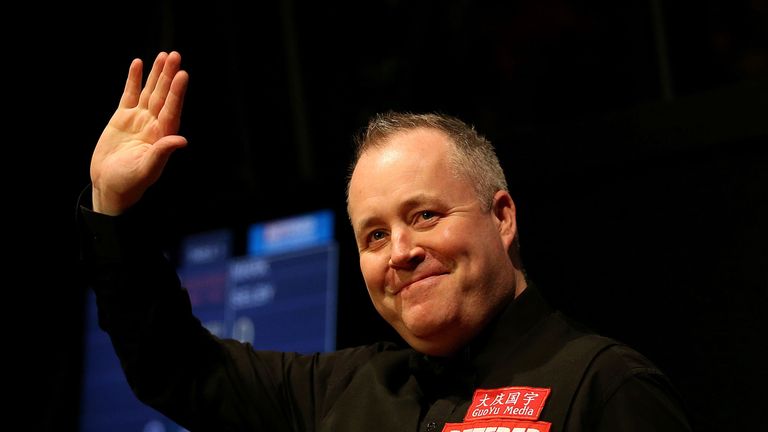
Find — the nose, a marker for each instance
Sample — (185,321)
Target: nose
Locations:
(405,253)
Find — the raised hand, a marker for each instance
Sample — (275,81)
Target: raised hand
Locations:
(141,135)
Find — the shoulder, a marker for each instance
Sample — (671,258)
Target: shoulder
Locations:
(623,386)
(610,362)
(614,386)
(617,364)
(605,354)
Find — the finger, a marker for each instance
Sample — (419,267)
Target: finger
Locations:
(154,74)
(170,114)
(132,85)
(172,65)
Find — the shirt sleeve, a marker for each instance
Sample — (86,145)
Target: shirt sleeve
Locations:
(170,360)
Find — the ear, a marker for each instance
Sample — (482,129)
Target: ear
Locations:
(503,210)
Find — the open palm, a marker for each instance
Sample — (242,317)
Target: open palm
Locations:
(141,135)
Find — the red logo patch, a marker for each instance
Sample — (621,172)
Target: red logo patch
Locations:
(497,426)
(524,403)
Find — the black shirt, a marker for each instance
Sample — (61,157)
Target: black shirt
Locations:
(205,383)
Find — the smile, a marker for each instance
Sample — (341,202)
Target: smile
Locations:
(421,280)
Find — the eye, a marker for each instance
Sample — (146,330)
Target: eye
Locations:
(426,214)
(376,236)
(425,218)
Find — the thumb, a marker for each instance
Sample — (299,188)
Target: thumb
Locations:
(163,147)
(160,151)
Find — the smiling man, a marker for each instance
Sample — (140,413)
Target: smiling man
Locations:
(437,237)
(434,248)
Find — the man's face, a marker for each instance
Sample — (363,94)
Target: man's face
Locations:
(433,257)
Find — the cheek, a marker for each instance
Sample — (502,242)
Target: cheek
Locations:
(374,271)
(468,246)
(449,241)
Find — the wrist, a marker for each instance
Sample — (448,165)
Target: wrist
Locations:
(106,203)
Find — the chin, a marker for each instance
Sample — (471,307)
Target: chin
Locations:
(426,326)
(437,348)
(433,338)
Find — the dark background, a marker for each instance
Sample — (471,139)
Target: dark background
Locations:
(634,135)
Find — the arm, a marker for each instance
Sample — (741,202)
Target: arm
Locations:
(140,137)
(171,362)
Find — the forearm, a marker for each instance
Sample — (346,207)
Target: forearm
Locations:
(145,311)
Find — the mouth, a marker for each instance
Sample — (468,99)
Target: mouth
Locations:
(408,284)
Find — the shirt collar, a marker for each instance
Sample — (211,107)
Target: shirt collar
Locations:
(509,327)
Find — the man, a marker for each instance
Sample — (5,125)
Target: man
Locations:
(437,237)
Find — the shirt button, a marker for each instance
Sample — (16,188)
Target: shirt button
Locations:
(431,426)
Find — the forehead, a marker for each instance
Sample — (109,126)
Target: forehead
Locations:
(414,149)
(408,163)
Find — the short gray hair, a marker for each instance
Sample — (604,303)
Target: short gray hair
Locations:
(474,156)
